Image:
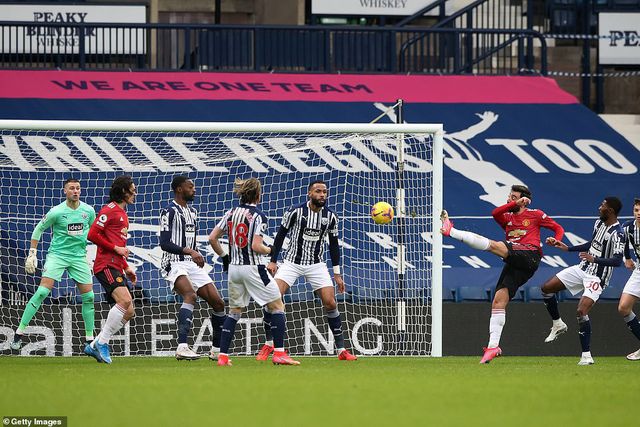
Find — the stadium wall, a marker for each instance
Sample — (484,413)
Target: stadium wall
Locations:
(498,131)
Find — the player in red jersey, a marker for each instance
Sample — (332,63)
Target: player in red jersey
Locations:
(109,233)
(520,251)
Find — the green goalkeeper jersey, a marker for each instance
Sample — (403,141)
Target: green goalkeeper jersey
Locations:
(70,228)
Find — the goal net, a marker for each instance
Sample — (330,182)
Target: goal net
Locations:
(392,304)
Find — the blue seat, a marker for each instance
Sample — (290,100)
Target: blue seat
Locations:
(611,293)
(532,293)
(472,293)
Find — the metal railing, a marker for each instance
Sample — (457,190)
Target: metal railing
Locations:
(164,47)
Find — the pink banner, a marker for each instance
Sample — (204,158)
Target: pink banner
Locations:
(281,87)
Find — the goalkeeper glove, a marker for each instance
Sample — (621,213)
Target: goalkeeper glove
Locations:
(226,260)
(31,263)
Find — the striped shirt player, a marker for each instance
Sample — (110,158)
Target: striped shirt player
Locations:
(598,257)
(309,225)
(631,231)
(308,231)
(592,275)
(245,226)
(178,230)
(248,276)
(183,266)
(631,291)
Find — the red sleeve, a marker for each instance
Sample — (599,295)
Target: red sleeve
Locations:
(498,213)
(96,233)
(547,222)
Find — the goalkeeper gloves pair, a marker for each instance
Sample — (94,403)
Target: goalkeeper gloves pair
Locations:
(31,263)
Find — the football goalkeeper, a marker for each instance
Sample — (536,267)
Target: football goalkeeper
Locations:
(70,222)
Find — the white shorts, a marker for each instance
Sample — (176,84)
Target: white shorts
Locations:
(316,274)
(576,281)
(251,281)
(196,275)
(633,284)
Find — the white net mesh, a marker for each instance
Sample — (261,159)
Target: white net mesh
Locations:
(384,312)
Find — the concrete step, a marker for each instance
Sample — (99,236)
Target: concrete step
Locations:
(627,125)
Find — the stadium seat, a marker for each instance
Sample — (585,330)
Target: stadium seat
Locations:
(532,293)
(611,293)
(472,293)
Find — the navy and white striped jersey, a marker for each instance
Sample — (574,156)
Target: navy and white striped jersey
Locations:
(307,233)
(177,231)
(632,239)
(607,242)
(242,224)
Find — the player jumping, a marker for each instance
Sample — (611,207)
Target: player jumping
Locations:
(520,251)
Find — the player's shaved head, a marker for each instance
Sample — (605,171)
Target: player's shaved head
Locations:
(317,181)
(177,181)
(614,203)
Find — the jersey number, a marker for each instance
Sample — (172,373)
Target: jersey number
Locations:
(238,237)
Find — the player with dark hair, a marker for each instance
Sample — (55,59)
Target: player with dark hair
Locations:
(245,225)
(520,251)
(109,232)
(308,224)
(182,265)
(70,222)
(631,291)
(598,258)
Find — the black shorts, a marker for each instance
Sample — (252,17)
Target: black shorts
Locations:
(110,279)
(519,268)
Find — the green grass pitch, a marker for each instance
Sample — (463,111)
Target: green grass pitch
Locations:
(451,391)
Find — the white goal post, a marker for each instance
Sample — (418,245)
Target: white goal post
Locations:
(393,272)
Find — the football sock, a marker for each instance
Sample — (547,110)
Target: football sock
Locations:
(266,323)
(32,307)
(633,324)
(551,302)
(335,323)
(278,328)
(185,319)
(472,239)
(113,324)
(496,323)
(217,320)
(584,325)
(88,315)
(228,329)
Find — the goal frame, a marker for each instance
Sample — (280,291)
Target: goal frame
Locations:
(383,128)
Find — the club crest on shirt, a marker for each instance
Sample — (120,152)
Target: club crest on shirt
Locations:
(517,233)
(526,222)
(84,215)
(325,221)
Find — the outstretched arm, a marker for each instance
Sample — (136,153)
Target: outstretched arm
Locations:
(487,119)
